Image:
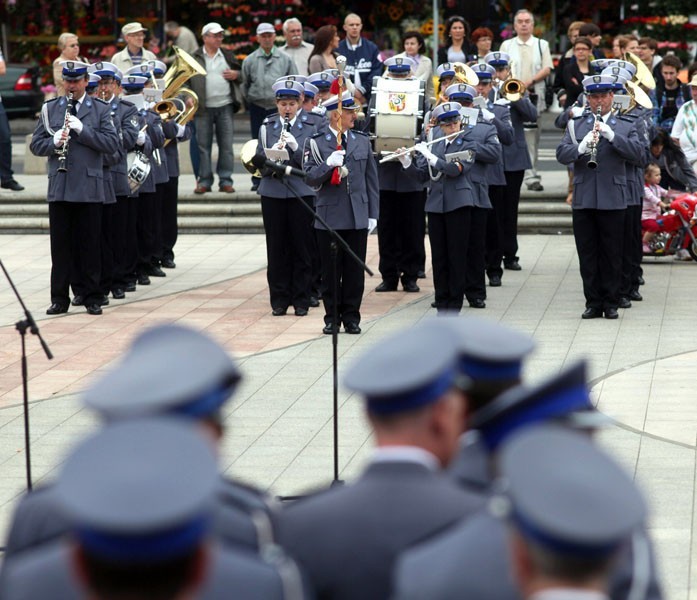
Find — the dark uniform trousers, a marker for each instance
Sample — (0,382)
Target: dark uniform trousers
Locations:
(401,235)
(122,241)
(475,285)
(599,243)
(448,234)
(351,280)
(502,223)
(146,218)
(632,252)
(170,229)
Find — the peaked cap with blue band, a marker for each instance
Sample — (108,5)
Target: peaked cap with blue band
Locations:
(288,88)
(322,80)
(74,70)
(143,70)
(169,369)
(484,71)
(399,64)
(347,102)
(563,397)
(598,84)
(445,70)
(133,82)
(140,491)
(461,91)
(157,67)
(310,90)
(104,69)
(498,59)
(405,371)
(446,111)
(566,495)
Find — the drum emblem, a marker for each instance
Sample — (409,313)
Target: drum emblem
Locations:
(397,102)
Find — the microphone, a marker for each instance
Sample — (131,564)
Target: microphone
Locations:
(279,168)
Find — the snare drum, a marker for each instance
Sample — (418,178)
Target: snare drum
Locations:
(396,113)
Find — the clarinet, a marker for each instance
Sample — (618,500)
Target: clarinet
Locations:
(593,158)
(62,152)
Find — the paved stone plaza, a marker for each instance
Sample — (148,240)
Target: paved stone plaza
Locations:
(279,428)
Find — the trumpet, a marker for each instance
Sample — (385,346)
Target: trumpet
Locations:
(512,89)
(593,158)
(62,152)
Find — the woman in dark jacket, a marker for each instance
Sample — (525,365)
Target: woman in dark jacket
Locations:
(576,70)
(676,172)
(458,48)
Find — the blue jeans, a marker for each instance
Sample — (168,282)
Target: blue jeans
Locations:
(5,147)
(193,150)
(219,119)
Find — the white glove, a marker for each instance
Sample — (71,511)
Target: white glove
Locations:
(336,158)
(576,111)
(405,159)
(181,130)
(141,138)
(318,110)
(422,149)
(502,102)
(58,138)
(487,115)
(583,146)
(372,224)
(606,131)
(75,124)
(291,142)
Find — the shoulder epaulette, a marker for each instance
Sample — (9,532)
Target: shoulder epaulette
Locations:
(52,100)
(269,118)
(127,103)
(359,132)
(102,101)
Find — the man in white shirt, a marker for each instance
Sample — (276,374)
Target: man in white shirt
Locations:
(295,47)
(685,127)
(531,62)
(134,53)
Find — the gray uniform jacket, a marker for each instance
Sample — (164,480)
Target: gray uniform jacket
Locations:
(643,122)
(470,467)
(516,156)
(606,187)
(47,573)
(154,140)
(472,561)
(356,199)
(260,72)
(488,162)
(348,538)
(172,148)
(125,117)
(392,179)
(269,133)
(83,180)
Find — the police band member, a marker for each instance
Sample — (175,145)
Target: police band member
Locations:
(74,131)
(401,225)
(447,165)
(287,225)
(502,224)
(414,407)
(600,195)
(351,207)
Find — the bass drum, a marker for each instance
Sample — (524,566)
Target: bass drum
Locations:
(396,114)
(138,170)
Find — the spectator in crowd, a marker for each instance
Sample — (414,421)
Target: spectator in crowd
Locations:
(653,204)
(691,71)
(627,42)
(593,33)
(684,130)
(134,53)
(531,62)
(414,47)
(180,36)
(669,96)
(323,55)
(576,70)
(676,172)
(69,46)
(646,51)
(217,106)
(362,62)
(260,70)
(296,47)
(482,38)
(7,180)
(457,48)
(558,86)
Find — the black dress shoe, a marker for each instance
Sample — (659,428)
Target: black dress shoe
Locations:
(477,303)
(624,303)
(94,309)
(611,313)
(300,312)
(314,301)
(168,263)
(279,312)
(328,329)
(411,287)
(104,300)
(11,185)
(131,286)
(512,265)
(495,280)
(421,274)
(352,328)
(118,294)
(78,300)
(640,280)
(143,279)
(56,309)
(386,287)
(592,313)
(636,296)
(434,304)
(155,271)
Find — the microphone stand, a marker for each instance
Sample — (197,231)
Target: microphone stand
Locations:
(337,241)
(22,326)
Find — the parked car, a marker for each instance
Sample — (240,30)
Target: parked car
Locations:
(20,91)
